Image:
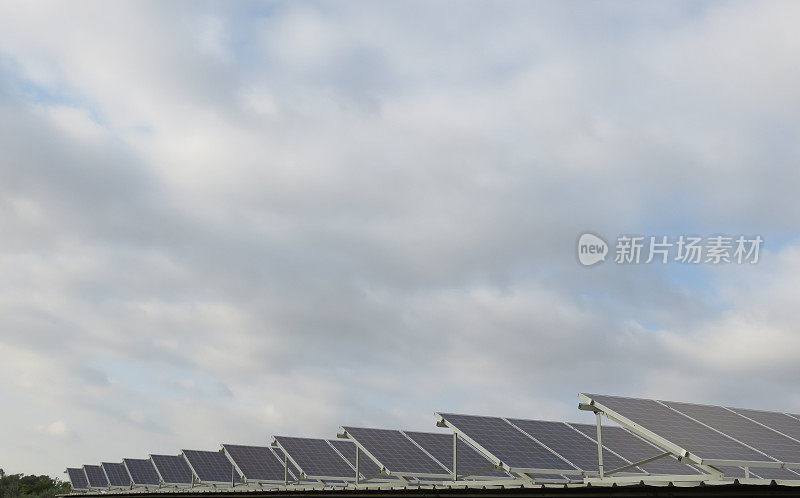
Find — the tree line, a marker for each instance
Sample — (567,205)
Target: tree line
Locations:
(30,485)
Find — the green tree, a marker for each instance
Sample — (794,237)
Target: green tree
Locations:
(31,485)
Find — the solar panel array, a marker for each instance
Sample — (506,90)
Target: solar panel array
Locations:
(741,443)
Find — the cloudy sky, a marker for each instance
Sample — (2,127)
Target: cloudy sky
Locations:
(223,221)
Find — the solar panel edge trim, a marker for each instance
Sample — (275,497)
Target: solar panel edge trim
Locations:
(641,431)
(497,461)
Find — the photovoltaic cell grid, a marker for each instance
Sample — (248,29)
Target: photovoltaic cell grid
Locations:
(635,449)
(141,471)
(441,447)
(366,466)
(315,457)
(785,424)
(172,468)
(95,476)
(211,466)
(116,474)
(570,444)
(506,443)
(395,451)
(257,463)
(77,478)
(678,429)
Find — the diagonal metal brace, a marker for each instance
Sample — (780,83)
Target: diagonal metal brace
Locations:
(640,462)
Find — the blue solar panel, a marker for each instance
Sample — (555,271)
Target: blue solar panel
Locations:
(781,422)
(750,433)
(366,465)
(141,471)
(257,463)
(634,449)
(116,474)
(395,451)
(173,469)
(678,429)
(95,476)
(211,466)
(570,444)
(315,457)
(77,478)
(506,443)
(470,461)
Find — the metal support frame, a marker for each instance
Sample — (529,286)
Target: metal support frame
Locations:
(455,456)
(599,445)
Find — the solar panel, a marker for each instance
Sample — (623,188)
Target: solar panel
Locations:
(750,433)
(211,466)
(635,449)
(366,465)
(506,443)
(470,461)
(141,471)
(95,476)
(77,478)
(395,451)
(116,474)
(570,444)
(315,457)
(678,429)
(173,469)
(256,463)
(785,424)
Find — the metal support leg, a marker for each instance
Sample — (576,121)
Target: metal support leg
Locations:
(455,456)
(285,469)
(599,446)
(358,465)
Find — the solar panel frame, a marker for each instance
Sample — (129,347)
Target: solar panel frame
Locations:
(77,478)
(396,453)
(506,445)
(172,469)
(95,477)
(212,467)
(316,458)
(116,474)
(257,464)
(141,471)
(677,433)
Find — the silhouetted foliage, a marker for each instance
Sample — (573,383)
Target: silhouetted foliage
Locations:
(38,486)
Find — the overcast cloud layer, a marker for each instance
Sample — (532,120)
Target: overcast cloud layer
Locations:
(220,222)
